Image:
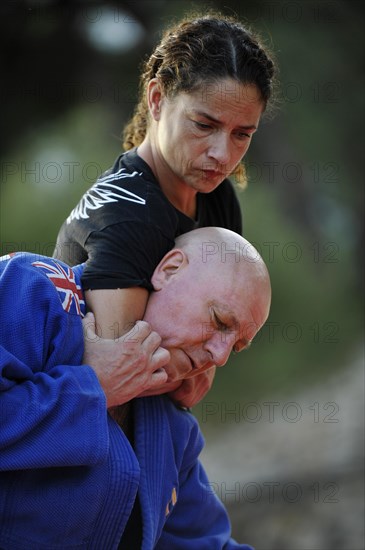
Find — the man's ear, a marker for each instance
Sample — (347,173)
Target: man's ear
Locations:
(171,264)
(154,98)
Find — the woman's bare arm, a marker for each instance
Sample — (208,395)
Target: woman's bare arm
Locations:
(116,310)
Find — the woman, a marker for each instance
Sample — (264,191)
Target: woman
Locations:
(202,94)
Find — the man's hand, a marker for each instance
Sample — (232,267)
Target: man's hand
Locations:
(192,390)
(128,366)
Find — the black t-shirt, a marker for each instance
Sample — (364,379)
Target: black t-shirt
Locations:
(124,225)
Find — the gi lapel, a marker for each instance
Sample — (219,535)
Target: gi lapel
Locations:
(159,475)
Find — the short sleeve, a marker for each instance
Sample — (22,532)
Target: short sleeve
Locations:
(124,255)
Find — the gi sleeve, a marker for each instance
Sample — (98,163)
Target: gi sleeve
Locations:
(198,520)
(52,413)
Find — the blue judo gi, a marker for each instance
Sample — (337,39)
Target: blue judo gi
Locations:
(68,474)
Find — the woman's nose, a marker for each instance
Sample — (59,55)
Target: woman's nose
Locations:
(219,149)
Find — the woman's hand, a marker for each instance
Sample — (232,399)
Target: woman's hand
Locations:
(192,390)
(186,392)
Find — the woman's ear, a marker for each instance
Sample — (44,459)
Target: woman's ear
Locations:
(154,98)
(170,265)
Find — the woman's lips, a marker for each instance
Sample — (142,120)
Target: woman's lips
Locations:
(211,174)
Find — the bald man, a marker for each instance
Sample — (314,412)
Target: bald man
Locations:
(70,475)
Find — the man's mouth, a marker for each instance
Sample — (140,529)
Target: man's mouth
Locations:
(193,364)
(195,368)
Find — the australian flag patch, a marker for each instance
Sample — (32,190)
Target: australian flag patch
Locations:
(63,278)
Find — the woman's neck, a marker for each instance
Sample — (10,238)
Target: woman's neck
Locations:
(177,191)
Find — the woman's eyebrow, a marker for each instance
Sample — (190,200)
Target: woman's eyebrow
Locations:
(216,121)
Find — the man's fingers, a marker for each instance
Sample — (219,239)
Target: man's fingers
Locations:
(160,358)
(152,342)
(138,333)
(158,377)
(142,334)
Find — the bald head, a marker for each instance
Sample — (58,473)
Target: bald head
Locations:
(218,243)
(212,295)
(218,252)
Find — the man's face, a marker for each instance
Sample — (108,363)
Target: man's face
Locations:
(202,315)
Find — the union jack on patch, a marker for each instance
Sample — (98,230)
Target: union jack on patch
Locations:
(7,256)
(68,290)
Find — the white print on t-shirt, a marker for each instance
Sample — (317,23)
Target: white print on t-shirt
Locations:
(104,192)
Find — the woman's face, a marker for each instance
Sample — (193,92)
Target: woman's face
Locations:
(201,136)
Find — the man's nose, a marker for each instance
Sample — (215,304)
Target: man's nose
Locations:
(219,149)
(220,346)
